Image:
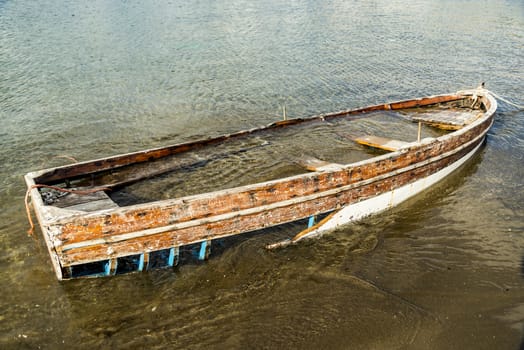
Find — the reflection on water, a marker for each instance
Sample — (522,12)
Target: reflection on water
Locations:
(87,80)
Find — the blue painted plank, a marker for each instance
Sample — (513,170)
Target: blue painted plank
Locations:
(108,271)
(141,262)
(204,248)
(173,256)
(171,259)
(202,253)
(311,221)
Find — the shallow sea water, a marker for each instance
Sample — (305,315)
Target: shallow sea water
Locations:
(444,270)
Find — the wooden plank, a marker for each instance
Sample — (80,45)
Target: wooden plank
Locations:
(229,202)
(424,101)
(166,224)
(315,164)
(71,199)
(95,205)
(85,202)
(380,142)
(448,119)
(212,228)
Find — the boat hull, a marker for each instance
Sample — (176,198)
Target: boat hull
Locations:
(75,238)
(384,201)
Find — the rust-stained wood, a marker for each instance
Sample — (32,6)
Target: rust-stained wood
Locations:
(425,101)
(151,215)
(358,189)
(108,232)
(211,229)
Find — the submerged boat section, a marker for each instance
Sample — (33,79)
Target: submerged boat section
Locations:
(139,210)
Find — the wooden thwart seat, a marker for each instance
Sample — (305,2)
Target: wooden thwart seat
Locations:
(85,202)
(380,142)
(315,164)
(447,120)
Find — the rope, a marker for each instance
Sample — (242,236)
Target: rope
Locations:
(508,102)
(60,189)
(482,89)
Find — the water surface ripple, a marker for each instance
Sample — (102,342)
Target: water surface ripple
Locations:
(91,79)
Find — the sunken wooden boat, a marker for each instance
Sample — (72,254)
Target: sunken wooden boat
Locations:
(90,231)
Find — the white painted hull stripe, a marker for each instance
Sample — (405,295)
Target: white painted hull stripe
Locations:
(389,199)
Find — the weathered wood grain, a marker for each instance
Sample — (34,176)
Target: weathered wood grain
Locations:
(109,232)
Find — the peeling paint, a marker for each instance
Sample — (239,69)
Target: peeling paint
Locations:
(81,238)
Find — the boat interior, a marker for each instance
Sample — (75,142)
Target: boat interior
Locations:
(285,148)
(318,145)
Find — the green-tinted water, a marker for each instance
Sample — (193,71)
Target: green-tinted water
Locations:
(92,79)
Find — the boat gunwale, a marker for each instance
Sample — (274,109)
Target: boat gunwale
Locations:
(258,209)
(48,176)
(67,215)
(111,246)
(52,218)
